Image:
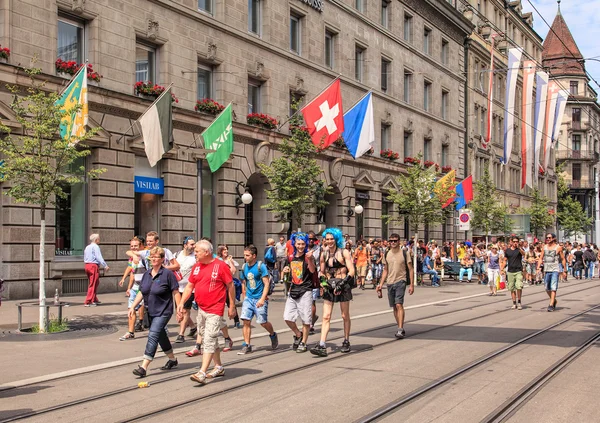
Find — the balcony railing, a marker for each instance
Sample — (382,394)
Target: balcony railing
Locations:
(577,155)
(581,184)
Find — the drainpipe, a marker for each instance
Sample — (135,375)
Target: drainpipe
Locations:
(467,44)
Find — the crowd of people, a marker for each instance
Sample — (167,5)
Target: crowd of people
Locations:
(161,283)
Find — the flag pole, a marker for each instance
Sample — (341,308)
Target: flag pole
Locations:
(142,115)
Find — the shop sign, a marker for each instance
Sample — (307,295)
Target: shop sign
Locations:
(149,185)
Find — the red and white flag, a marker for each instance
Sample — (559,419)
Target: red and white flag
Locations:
(488,134)
(324,116)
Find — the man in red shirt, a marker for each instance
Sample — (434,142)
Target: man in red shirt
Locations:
(211,282)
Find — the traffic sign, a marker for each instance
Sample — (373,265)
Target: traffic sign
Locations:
(464,220)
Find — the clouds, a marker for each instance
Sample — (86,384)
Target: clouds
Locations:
(583,19)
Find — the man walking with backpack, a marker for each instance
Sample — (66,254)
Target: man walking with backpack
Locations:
(397,271)
(590,258)
(255,289)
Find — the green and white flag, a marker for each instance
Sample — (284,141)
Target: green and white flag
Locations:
(157,127)
(219,137)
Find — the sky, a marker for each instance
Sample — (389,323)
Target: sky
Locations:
(582,18)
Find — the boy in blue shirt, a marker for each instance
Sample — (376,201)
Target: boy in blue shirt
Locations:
(255,288)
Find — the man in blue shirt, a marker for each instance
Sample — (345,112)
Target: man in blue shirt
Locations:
(255,288)
(428,269)
(92,257)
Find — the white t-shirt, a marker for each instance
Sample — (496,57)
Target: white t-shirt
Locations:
(186,263)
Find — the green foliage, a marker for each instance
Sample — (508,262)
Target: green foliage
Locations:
(570,214)
(38,163)
(538,212)
(295,176)
(417,198)
(489,214)
(54,325)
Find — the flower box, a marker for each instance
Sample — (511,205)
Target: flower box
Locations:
(262,120)
(340,143)
(209,106)
(446,169)
(389,154)
(67,69)
(151,91)
(429,163)
(4,53)
(411,160)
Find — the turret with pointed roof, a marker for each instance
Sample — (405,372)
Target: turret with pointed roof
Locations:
(561,54)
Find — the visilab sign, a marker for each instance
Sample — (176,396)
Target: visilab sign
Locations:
(315,4)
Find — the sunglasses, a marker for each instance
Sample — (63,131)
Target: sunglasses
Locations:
(312,239)
(394,240)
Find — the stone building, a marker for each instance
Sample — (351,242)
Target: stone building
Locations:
(506,25)
(577,145)
(258,55)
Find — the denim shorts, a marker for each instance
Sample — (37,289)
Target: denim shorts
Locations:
(479,267)
(132,294)
(551,281)
(249,310)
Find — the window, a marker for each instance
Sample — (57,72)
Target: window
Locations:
(385,136)
(445,52)
(71,41)
(386,208)
(359,53)
(145,63)
(207,203)
(445,97)
(427,95)
(500,130)
(574,88)
(70,217)
(407,144)
(499,89)
(427,149)
(408,20)
(476,74)
(254,16)
(476,122)
(576,118)
(482,121)
(385,13)
(427,41)
(205,6)
(254,105)
(295,33)
(407,86)
(204,82)
(576,171)
(329,49)
(576,143)
(385,72)
(297,99)
(445,157)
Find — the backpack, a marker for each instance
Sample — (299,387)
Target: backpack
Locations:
(270,255)
(271,286)
(405,262)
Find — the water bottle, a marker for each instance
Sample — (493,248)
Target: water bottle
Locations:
(56,298)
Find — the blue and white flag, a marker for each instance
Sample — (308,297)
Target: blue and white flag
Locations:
(514,62)
(359,129)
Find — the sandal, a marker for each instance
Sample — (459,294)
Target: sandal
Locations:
(140,371)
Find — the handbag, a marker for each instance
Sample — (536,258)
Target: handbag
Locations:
(178,275)
(370,275)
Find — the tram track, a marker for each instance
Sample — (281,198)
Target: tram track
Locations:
(333,356)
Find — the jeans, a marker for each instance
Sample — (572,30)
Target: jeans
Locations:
(468,271)
(589,271)
(157,335)
(434,276)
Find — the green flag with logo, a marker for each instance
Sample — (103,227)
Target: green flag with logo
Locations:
(219,137)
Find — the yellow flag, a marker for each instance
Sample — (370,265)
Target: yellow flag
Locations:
(445,188)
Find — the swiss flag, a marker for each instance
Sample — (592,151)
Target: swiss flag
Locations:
(324,117)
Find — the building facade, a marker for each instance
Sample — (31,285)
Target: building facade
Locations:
(505,25)
(577,146)
(258,55)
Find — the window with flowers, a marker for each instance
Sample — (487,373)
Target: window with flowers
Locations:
(71,39)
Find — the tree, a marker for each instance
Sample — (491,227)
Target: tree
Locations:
(38,163)
(538,213)
(489,215)
(419,200)
(570,215)
(296,186)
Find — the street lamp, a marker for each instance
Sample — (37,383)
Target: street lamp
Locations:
(245,198)
(358,209)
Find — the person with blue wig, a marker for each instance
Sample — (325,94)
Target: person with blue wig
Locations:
(338,271)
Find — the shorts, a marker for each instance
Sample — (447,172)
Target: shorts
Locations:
(344,296)
(551,281)
(209,327)
(249,310)
(396,293)
(514,280)
(300,307)
(316,294)
(361,271)
(531,269)
(377,269)
(479,268)
(132,294)
(188,304)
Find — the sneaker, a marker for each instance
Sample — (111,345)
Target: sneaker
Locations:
(180,339)
(319,350)
(550,308)
(228,345)
(274,341)
(139,327)
(301,348)
(218,371)
(514,307)
(519,307)
(193,332)
(237,325)
(98,302)
(140,371)
(311,330)
(345,346)
(86,305)
(245,349)
(128,335)
(199,377)
(171,364)
(400,334)
(92,305)
(194,352)
(297,341)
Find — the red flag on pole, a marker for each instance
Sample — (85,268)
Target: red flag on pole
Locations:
(324,116)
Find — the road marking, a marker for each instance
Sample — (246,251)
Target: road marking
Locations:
(104,366)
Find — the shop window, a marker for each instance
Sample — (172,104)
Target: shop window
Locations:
(70,217)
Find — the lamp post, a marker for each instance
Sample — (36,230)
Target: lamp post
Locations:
(245,198)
